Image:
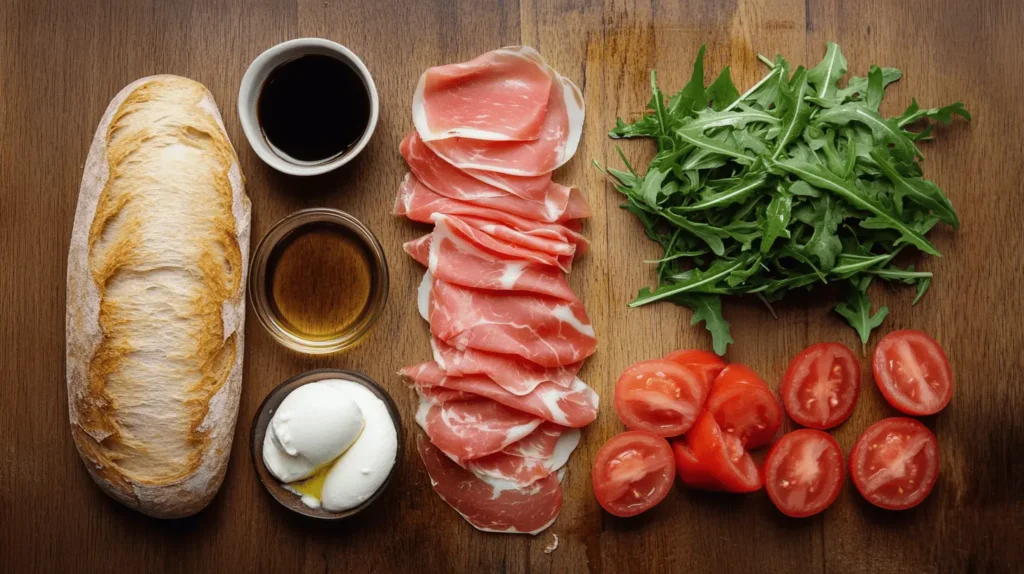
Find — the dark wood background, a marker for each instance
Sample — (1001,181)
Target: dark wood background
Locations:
(61,63)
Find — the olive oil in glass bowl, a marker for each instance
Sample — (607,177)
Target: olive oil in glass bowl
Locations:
(318,281)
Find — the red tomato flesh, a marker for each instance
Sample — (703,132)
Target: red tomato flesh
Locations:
(632,472)
(692,472)
(659,396)
(895,463)
(803,472)
(744,406)
(913,373)
(722,457)
(706,364)
(821,385)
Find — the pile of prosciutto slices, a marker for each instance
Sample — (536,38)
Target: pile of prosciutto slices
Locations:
(500,402)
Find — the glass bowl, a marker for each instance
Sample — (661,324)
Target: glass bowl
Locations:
(265,309)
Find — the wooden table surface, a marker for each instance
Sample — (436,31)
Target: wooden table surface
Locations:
(61,63)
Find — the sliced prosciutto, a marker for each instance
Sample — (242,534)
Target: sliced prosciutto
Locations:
(452,258)
(500,404)
(450,181)
(440,395)
(516,375)
(523,463)
(471,428)
(544,443)
(507,242)
(488,507)
(547,331)
(500,95)
(549,238)
(574,406)
(560,207)
(563,126)
(419,203)
(521,185)
(445,178)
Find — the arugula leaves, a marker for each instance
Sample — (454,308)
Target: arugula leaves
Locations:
(708,308)
(826,75)
(857,311)
(798,181)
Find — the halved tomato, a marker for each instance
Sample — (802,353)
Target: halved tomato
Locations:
(632,472)
(803,472)
(895,463)
(705,363)
(722,456)
(692,472)
(659,396)
(820,387)
(744,406)
(913,373)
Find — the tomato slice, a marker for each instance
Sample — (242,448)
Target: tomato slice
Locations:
(632,472)
(913,373)
(895,463)
(722,456)
(659,396)
(803,472)
(744,406)
(705,363)
(692,472)
(820,387)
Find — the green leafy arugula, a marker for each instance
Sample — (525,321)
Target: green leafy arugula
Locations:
(797,182)
(857,310)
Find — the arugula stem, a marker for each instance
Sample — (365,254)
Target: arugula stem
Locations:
(760,83)
(899,274)
(675,256)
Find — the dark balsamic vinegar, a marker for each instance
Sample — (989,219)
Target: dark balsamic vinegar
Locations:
(313,108)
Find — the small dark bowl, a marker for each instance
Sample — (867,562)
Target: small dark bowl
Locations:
(266,411)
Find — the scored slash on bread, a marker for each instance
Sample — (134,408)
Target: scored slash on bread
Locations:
(156,298)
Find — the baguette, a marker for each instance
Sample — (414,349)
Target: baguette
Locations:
(156,299)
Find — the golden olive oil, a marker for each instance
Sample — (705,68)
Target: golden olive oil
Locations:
(320,281)
(313,486)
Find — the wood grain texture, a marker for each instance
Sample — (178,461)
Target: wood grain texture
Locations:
(61,62)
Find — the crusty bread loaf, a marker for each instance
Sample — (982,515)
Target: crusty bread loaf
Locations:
(156,299)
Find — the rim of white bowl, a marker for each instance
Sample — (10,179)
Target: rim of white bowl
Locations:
(252,83)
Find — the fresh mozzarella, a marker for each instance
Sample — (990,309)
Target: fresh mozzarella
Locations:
(312,426)
(364,467)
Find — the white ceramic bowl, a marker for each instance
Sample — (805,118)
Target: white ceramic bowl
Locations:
(252,83)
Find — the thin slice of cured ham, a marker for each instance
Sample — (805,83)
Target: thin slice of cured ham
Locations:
(440,396)
(563,126)
(452,258)
(541,443)
(419,203)
(547,331)
(555,208)
(538,454)
(447,179)
(471,428)
(450,181)
(575,406)
(513,373)
(489,507)
(523,463)
(500,95)
(521,185)
(508,243)
(551,238)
